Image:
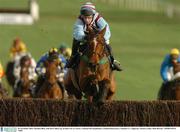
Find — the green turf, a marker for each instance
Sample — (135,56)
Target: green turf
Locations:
(140,40)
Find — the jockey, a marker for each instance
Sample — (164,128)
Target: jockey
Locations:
(40,70)
(2,90)
(1,72)
(166,66)
(18,49)
(65,51)
(89,17)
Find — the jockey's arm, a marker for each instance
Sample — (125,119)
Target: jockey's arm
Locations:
(164,69)
(63,61)
(33,63)
(40,63)
(178,59)
(102,24)
(78,32)
(17,69)
(33,74)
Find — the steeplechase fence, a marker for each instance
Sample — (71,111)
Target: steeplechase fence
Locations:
(40,112)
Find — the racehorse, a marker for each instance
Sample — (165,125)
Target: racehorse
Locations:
(9,73)
(171,90)
(93,76)
(50,87)
(24,85)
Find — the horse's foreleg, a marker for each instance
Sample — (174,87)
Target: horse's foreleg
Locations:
(104,87)
(178,93)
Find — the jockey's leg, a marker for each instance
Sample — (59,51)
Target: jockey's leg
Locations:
(72,61)
(114,63)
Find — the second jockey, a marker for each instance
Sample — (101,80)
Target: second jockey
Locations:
(65,51)
(17,51)
(40,69)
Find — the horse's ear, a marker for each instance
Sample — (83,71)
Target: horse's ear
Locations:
(102,32)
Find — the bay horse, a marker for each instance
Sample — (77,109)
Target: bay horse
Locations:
(171,90)
(9,73)
(24,85)
(50,87)
(93,76)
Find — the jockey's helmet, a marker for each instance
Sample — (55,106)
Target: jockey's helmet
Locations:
(174,51)
(68,52)
(18,46)
(62,47)
(87,9)
(53,53)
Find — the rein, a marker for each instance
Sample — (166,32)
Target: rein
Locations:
(93,66)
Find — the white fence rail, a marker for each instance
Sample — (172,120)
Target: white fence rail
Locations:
(146,5)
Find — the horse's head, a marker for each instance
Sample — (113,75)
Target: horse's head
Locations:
(51,66)
(176,67)
(25,61)
(95,47)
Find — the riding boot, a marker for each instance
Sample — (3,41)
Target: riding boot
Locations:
(115,65)
(73,59)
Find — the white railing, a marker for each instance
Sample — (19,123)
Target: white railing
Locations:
(18,16)
(146,5)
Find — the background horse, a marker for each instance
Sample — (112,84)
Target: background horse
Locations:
(171,90)
(93,76)
(9,73)
(50,87)
(24,85)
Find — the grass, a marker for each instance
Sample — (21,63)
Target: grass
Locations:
(140,40)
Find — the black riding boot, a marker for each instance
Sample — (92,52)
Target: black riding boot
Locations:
(72,63)
(115,65)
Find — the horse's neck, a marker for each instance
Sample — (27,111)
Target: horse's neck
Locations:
(176,68)
(51,77)
(25,73)
(176,75)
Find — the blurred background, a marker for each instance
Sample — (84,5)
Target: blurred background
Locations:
(143,32)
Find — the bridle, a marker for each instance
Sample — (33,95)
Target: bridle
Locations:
(85,57)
